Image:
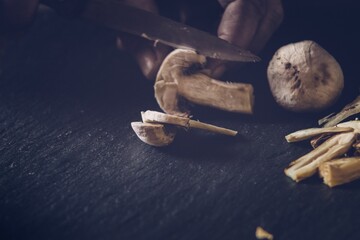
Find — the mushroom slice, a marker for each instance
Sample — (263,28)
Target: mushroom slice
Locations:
(181,77)
(154,134)
(349,110)
(333,148)
(312,132)
(158,117)
(340,171)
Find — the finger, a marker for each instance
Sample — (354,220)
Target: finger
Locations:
(240,21)
(270,22)
(192,13)
(238,26)
(148,56)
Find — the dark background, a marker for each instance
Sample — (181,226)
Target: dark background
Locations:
(72,168)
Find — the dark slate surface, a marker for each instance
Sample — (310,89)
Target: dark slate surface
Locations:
(71,167)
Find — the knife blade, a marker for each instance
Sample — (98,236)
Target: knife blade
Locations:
(121,17)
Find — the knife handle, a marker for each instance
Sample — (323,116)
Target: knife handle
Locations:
(70,8)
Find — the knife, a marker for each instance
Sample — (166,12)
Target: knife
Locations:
(116,15)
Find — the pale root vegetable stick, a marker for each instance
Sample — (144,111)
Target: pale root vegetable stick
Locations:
(333,148)
(349,110)
(317,141)
(312,132)
(353,124)
(356,146)
(260,233)
(340,171)
(158,117)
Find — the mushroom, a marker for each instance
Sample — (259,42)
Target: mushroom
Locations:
(159,129)
(154,134)
(304,77)
(158,117)
(182,77)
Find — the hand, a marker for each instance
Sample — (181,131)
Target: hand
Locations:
(250,23)
(246,23)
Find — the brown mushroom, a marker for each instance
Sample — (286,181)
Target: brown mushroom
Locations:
(159,129)
(158,117)
(154,134)
(182,77)
(304,77)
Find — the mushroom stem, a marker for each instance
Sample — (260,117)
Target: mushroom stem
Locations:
(182,77)
(158,117)
(203,90)
(211,128)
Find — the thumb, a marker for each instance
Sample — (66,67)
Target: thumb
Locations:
(148,55)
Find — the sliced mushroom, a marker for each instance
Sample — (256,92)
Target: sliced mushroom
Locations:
(159,129)
(182,77)
(349,110)
(158,117)
(154,134)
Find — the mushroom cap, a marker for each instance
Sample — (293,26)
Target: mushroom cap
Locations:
(178,64)
(304,77)
(154,134)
